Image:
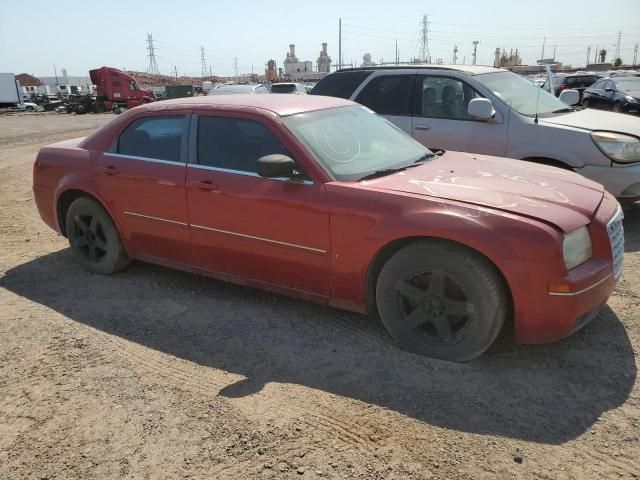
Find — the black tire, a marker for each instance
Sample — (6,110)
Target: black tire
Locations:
(93,238)
(29,108)
(441,300)
(617,108)
(585,103)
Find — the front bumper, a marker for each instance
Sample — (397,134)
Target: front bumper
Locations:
(542,315)
(621,180)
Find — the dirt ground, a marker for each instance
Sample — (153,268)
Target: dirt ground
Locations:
(159,374)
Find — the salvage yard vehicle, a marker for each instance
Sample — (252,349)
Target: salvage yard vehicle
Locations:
(493,111)
(29,107)
(570,81)
(618,94)
(288,87)
(321,199)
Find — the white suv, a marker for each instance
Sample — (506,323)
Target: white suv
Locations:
(492,111)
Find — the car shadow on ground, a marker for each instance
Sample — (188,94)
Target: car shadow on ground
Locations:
(545,393)
(632,227)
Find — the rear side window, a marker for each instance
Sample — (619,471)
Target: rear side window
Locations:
(578,82)
(158,138)
(235,143)
(340,84)
(279,88)
(388,95)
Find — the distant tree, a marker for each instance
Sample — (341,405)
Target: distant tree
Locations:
(617,62)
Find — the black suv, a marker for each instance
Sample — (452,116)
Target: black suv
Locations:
(573,81)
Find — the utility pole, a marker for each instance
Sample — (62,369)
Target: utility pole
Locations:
(617,54)
(397,58)
(55,72)
(235,66)
(339,43)
(424,40)
(475,48)
(204,62)
(554,52)
(595,57)
(211,70)
(635,54)
(153,65)
(455,54)
(544,40)
(588,55)
(175,71)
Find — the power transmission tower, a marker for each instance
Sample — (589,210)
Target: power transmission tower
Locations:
(455,54)
(424,40)
(204,62)
(235,65)
(588,55)
(635,54)
(475,49)
(617,54)
(153,65)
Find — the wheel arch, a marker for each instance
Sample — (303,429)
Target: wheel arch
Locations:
(388,250)
(68,196)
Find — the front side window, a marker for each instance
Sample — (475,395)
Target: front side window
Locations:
(158,138)
(599,85)
(520,94)
(352,142)
(446,98)
(235,143)
(388,95)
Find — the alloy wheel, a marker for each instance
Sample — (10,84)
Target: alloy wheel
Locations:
(89,238)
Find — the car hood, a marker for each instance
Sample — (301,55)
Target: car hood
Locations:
(563,198)
(590,119)
(633,93)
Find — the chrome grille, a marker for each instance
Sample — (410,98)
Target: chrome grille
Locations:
(616,237)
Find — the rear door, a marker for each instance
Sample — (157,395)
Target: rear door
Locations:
(142,179)
(273,230)
(442,121)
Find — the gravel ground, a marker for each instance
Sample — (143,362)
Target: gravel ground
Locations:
(154,373)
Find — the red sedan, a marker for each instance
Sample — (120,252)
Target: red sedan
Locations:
(319,198)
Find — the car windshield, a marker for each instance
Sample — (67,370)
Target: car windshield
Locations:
(628,84)
(283,88)
(353,142)
(520,94)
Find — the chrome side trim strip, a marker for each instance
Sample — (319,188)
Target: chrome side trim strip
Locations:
(149,217)
(246,174)
(145,159)
(571,294)
(268,240)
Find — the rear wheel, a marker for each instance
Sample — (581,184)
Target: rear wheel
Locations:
(442,300)
(93,237)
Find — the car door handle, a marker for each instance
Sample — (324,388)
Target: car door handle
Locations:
(110,170)
(422,126)
(206,185)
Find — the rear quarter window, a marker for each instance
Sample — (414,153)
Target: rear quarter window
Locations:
(340,84)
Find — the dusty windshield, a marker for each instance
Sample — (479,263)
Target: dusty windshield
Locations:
(520,94)
(628,84)
(353,142)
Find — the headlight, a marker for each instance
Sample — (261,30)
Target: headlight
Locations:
(618,147)
(631,99)
(576,248)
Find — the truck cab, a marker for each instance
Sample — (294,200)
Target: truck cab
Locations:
(117,90)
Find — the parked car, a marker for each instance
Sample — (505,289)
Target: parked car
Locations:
(238,89)
(618,94)
(493,111)
(29,107)
(319,198)
(575,81)
(291,88)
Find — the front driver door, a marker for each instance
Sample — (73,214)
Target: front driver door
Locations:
(275,231)
(442,121)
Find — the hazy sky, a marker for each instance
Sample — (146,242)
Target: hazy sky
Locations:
(83,35)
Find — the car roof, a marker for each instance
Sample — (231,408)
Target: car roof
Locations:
(466,69)
(279,104)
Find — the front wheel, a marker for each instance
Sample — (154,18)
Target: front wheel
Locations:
(441,300)
(93,237)
(616,108)
(585,103)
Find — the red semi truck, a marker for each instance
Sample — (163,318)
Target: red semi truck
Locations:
(117,90)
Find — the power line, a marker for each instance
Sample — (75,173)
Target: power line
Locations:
(153,65)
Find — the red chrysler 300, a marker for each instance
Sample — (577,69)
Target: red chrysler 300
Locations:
(320,198)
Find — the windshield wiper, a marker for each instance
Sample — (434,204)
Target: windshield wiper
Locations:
(423,158)
(381,173)
(565,110)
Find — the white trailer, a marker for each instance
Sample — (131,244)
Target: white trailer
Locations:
(10,91)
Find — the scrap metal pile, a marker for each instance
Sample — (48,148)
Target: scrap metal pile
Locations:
(146,80)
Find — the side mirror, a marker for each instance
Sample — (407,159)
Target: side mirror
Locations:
(481,108)
(569,97)
(272,166)
(609,90)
